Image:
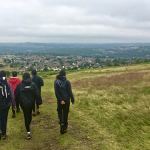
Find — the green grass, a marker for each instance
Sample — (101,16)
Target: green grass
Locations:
(111,111)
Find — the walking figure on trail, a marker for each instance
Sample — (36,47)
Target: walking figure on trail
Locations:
(26,93)
(14,81)
(63,94)
(39,82)
(6,97)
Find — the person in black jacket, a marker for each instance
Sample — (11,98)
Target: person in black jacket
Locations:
(6,97)
(39,82)
(63,94)
(26,93)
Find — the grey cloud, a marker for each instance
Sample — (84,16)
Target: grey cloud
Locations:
(68,20)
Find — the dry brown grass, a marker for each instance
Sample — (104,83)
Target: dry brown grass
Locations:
(102,81)
(117,104)
(7,67)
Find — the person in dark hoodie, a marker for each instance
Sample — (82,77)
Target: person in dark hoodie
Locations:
(6,98)
(14,81)
(26,93)
(39,82)
(63,94)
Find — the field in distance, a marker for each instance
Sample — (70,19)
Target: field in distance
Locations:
(7,67)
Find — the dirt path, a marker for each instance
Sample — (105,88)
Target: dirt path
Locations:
(51,137)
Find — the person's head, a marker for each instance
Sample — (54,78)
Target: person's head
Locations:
(14,73)
(26,76)
(34,72)
(62,73)
(2,73)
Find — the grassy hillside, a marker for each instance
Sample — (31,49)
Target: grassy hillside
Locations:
(7,66)
(111,111)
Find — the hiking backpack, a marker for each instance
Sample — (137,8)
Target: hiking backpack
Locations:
(5,96)
(63,90)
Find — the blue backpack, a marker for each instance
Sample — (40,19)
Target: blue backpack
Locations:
(5,96)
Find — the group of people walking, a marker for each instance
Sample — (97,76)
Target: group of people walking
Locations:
(27,93)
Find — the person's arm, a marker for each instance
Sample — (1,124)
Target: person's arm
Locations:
(57,92)
(12,96)
(37,95)
(41,81)
(70,92)
(17,94)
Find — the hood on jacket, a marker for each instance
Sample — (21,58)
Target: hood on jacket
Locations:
(3,80)
(26,81)
(61,81)
(13,80)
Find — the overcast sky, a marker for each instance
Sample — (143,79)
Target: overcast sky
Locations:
(75,21)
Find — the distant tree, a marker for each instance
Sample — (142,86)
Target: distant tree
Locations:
(12,60)
(45,69)
(1,65)
(47,58)
(70,62)
(60,61)
(7,60)
(86,65)
(7,73)
(31,68)
(4,60)
(97,60)
(145,60)
(123,61)
(108,64)
(115,60)
(27,63)
(137,61)
(116,64)
(74,68)
(11,65)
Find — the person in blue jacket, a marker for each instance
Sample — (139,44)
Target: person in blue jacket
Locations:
(63,94)
(39,82)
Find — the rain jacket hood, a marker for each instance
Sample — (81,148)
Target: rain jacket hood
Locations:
(14,81)
(26,81)
(61,81)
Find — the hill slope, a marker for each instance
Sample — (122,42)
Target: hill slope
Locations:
(111,111)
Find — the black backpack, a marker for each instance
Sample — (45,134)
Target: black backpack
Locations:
(27,98)
(5,96)
(63,90)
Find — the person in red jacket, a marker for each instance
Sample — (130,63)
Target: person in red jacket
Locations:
(14,81)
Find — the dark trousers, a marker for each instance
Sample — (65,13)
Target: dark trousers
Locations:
(17,107)
(63,111)
(37,106)
(28,118)
(13,111)
(3,119)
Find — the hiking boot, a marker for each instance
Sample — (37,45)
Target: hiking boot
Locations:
(0,134)
(28,136)
(65,129)
(18,110)
(62,128)
(38,112)
(13,116)
(4,137)
(33,114)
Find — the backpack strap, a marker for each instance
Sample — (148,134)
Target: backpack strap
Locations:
(4,90)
